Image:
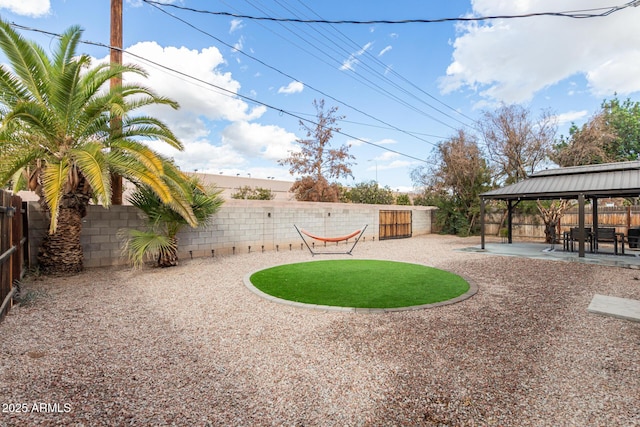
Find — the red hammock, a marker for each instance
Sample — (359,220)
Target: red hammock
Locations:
(357,233)
(331,239)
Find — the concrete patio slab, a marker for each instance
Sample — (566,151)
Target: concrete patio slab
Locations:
(555,253)
(622,308)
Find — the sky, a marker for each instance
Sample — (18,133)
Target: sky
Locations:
(244,84)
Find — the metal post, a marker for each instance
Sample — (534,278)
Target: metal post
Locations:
(581,233)
(482,223)
(510,221)
(594,223)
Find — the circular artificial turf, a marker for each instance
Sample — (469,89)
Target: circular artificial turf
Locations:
(359,283)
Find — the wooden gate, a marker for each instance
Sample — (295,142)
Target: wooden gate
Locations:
(395,224)
(12,245)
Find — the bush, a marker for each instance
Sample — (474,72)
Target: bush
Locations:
(403,200)
(256,193)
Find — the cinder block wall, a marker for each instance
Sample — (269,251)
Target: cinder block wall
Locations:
(263,225)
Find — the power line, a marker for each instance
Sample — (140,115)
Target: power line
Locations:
(395,73)
(575,14)
(378,126)
(359,77)
(196,79)
(291,77)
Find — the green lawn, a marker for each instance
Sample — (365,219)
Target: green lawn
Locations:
(360,283)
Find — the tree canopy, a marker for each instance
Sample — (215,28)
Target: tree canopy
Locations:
(517,144)
(56,138)
(458,173)
(610,135)
(316,161)
(371,193)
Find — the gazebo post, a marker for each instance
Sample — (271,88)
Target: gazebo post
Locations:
(482,223)
(581,235)
(594,222)
(510,221)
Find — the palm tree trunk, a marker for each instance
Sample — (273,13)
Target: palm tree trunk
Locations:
(169,256)
(61,252)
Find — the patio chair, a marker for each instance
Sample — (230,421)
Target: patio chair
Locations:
(609,235)
(573,235)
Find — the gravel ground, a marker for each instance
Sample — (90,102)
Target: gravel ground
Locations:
(192,346)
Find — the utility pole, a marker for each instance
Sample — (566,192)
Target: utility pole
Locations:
(116,58)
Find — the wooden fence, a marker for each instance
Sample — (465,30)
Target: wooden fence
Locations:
(532,226)
(619,217)
(13,246)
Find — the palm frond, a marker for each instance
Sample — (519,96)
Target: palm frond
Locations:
(143,97)
(91,161)
(157,212)
(36,121)
(144,245)
(206,202)
(53,182)
(137,172)
(64,99)
(11,88)
(66,51)
(149,128)
(19,180)
(140,152)
(16,158)
(28,61)
(182,193)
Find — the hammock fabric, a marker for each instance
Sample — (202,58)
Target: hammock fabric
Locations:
(331,239)
(336,240)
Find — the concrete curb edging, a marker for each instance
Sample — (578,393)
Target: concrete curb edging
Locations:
(473,289)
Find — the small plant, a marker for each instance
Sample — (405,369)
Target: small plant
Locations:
(159,240)
(253,193)
(28,297)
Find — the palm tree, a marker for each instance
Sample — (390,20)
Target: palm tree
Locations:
(55,137)
(160,240)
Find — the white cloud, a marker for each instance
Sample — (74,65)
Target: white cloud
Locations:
(509,60)
(239,44)
(386,141)
(201,105)
(350,63)
(204,156)
(389,160)
(386,156)
(398,164)
(27,7)
(385,50)
(293,87)
(236,24)
(356,142)
(571,116)
(212,98)
(256,140)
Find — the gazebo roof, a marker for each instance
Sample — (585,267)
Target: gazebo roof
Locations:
(620,179)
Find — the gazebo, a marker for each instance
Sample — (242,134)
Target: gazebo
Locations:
(592,182)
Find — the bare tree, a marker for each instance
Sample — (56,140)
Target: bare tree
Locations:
(459,173)
(586,145)
(516,143)
(551,215)
(316,161)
